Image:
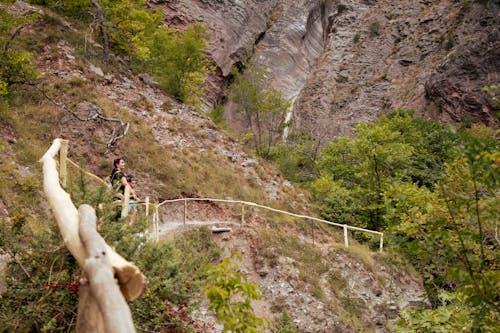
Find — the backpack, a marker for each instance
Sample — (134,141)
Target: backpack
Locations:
(115,183)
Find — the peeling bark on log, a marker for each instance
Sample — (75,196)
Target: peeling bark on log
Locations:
(103,287)
(130,279)
(89,317)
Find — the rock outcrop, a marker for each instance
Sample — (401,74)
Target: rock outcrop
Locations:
(433,57)
(348,61)
(235,27)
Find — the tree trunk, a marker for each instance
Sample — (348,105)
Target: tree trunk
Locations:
(102,29)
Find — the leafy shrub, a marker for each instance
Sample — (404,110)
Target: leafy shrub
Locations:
(16,65)
(177,60)
(296,157)
(284,324)
(263,106)
(356,37)
(217,114)
(230,296)
(41,280)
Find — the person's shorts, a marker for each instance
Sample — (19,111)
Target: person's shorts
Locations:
(132,206)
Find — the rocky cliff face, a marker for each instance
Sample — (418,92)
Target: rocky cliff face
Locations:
(432,56)
(347,61)
(235,25)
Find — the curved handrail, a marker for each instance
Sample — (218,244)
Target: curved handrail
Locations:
(87,173)
(243,203)
(253,204)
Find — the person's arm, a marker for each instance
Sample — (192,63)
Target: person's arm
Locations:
(123,180)
(133,194)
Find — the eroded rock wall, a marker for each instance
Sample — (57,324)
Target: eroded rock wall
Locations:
(234,25)
(348,61)
(291,46)
(431,56)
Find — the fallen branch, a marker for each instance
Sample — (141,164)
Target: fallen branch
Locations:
(118,131)
(13,257)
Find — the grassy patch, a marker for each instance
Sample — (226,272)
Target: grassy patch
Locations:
(307,259)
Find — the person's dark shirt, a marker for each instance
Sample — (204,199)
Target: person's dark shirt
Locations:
(116,183)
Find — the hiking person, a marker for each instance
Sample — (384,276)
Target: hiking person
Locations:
(132,206)
(118,177)
(118,181)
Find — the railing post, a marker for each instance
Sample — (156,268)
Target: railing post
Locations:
(381,242)
(346,240)
(157,218)
(242,213)
(185,211)
(312,225)
(63,155)
(125,201)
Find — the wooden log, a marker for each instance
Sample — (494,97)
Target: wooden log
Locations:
(89,318)
(131,280)
(126,200)
(116,315)
(63,158)
(346,239)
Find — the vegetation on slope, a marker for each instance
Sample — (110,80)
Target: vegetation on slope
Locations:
(41,279)
(435,192)
(433,189)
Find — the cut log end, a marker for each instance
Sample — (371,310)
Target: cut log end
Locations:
(130,280)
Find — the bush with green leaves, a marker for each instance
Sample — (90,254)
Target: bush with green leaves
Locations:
(296,158)
(42,277)
(41,280)
(230,296)
(263,107)
(284,324)
(454,314)
(16,65)
(178,61)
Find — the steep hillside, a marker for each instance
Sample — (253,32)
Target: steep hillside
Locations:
(105,111)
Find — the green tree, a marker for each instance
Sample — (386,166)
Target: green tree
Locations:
(366,165)
(372,166)
(119,25)
(433,144)
(16,65)
(263,107)
(178,61)
(454,241)
(230,296)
